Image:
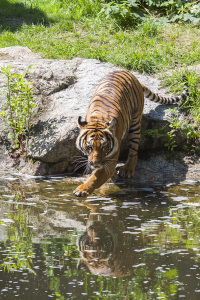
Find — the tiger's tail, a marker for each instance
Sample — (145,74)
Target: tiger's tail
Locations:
(165,100)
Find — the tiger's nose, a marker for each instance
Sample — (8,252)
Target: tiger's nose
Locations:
(94,165)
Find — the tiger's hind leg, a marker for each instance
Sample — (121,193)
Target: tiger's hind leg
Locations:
(134,138)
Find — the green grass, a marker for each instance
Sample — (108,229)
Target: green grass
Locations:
(63,29)
(176,83)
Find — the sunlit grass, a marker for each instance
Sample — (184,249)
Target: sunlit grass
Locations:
(67,29)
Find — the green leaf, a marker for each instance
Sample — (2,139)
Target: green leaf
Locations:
(3,114)
(10,136)
(175,18)
(190,17)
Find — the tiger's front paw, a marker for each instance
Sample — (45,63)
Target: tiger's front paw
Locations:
(125,172)
(80,191)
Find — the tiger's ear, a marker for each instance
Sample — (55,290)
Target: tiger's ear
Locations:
(82,124)
(111,124)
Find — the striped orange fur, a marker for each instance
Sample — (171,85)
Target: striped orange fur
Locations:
(115,109)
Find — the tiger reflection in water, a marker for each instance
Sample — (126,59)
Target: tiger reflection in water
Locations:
(105,248)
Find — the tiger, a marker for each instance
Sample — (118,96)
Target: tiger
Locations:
(105,247)
(115,109)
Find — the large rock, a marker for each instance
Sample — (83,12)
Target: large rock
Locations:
(63,90)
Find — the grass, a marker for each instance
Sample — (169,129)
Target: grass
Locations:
(176,83)
(63,29)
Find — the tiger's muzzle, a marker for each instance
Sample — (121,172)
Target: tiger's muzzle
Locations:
(94,165)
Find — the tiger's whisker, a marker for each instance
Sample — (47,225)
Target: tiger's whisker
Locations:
(84,159)
(108,168)
(110,165)
(78,167)
(87,169)
(80,162)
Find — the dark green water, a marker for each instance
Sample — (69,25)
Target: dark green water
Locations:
(126,241)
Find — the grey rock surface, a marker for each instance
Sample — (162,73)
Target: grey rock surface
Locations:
(17,53)
(63,90)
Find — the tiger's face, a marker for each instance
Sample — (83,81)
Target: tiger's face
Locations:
(97,141)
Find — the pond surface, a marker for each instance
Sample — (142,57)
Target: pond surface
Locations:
(126,241)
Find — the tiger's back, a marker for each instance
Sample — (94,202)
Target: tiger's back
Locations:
(118,96)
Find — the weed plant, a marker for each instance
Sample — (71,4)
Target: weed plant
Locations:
(19,108)
(129,11)
(189,125)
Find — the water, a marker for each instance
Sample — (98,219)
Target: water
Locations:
(126,241)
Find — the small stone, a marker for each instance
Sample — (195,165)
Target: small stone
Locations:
(38,168)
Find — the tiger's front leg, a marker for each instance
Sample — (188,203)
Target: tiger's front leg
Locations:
(98,178)
(134,138)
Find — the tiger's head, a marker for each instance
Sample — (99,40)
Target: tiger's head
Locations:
(97,140)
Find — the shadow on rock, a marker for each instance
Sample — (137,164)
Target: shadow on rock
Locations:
(162,166)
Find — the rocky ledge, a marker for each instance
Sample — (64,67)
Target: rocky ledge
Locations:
(62,90)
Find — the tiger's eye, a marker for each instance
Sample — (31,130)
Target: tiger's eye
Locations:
(89,147)
(105,144)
